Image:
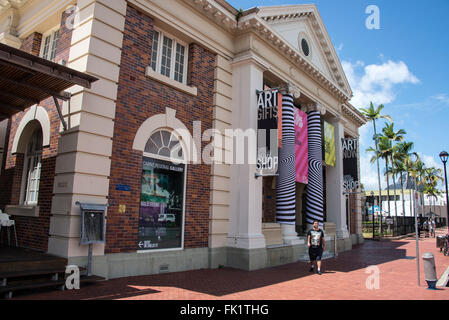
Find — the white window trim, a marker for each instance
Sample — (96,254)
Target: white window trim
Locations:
(181,161)
(24,190)
(175,41)
(50,33)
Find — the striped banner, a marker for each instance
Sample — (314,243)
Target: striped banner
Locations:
(286,185)
(314,197)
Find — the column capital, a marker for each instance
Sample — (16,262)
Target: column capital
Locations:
(315,106)
(250,57)
(291,89)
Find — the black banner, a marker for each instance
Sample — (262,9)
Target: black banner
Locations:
(350,149)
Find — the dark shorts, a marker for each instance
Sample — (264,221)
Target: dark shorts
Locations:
(315,253)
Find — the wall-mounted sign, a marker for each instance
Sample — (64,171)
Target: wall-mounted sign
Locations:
(350,149)
(301,147)
(122,187)
(269,133)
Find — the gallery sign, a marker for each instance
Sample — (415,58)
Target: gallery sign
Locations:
(350,149)
(269,131)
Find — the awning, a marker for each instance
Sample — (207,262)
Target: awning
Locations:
(26,80)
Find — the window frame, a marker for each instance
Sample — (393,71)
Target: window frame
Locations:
(50,33)
(175,41)
(182,161)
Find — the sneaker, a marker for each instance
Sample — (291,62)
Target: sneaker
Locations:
(319,272)
(311,269)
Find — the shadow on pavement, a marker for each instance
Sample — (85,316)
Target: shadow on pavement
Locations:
(221,282)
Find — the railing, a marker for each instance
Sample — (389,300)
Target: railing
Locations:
(391,226)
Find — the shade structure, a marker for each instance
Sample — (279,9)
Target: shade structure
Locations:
(26,80)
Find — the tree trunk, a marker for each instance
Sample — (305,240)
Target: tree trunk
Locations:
(378,178)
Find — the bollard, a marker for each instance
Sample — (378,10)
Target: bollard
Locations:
(430,270)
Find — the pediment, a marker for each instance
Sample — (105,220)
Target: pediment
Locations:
(303,28)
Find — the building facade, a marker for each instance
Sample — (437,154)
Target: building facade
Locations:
(156,137)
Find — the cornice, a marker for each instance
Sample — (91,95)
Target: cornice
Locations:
(353,114)
(7,4)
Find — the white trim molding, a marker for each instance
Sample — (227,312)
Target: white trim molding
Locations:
(166,121)
(35,113)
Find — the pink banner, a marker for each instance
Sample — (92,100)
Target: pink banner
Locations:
(301,147)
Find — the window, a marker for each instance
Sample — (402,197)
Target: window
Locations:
(161,213)
(32,169)
(169,57)
(49,45)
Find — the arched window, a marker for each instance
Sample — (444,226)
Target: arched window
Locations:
(32,168)
(161,218)
(166,144)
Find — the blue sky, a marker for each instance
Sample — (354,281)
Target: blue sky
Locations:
(404,65)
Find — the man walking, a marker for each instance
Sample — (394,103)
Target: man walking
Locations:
(316,243)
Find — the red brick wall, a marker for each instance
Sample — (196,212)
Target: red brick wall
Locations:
(140,98)
(32,44)
(268,201)
(32,232)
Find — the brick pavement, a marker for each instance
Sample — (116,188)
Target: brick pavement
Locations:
(343,278)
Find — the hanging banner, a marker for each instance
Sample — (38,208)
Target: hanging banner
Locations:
(269,131)
(301,147)
(350,149)
(329,144)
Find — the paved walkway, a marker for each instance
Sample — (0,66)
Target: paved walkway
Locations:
(343,278)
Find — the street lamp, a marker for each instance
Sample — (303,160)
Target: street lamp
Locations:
(443,156)
(372,197)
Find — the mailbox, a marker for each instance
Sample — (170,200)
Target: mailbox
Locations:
(93,223)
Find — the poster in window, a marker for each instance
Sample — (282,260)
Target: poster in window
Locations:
(161,205)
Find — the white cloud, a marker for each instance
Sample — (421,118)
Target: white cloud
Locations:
(368,172)
(442,98)
(339,48)
(430,161)
(376,82)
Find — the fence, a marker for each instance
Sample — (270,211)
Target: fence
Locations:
(391,226)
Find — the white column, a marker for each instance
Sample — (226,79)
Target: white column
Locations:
(83,162)
(335,199)
(245,225)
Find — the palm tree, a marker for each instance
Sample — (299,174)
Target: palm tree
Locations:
(384,149)
(420,168)
(393,136)
(373,114)
(432,176)
(403,158)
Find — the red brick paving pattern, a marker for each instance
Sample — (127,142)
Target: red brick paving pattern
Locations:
(344,278)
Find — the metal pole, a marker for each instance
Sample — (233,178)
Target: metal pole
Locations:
(417,239)
(447,200)
(373,217)
(89,261)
